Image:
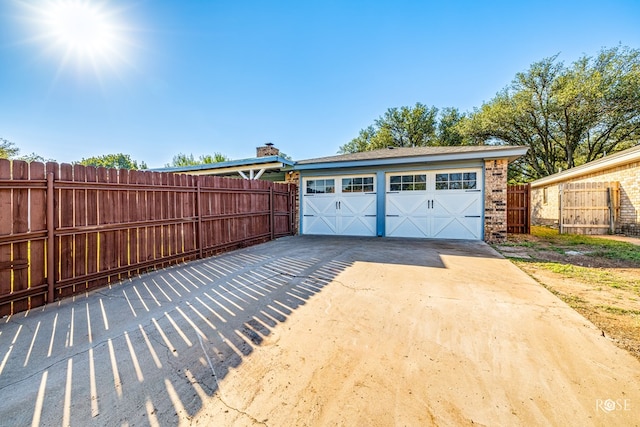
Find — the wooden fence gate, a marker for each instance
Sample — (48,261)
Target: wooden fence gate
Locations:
(519,209)
(68,229)
(589,207)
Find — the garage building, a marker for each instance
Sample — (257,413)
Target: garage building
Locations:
(425,192)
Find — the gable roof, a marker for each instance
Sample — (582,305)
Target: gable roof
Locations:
(413,155)
(629,155)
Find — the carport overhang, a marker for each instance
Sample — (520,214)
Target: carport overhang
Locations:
(253,168)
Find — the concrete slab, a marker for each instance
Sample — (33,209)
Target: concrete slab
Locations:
(314,331)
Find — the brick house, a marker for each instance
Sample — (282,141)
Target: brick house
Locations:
(622,167)
(425,192)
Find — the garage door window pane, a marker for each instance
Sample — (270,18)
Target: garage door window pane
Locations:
(311,187)
(346,185)
(357,185)
(407,183)
(456,181)
(329,186)
(470,181)
(320,186)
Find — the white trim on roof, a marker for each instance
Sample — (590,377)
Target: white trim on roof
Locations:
(629,155)
(245,168)
(510,153)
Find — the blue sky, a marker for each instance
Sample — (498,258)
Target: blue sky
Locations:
(227,76)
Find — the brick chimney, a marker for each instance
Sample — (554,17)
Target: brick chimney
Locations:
(267,150)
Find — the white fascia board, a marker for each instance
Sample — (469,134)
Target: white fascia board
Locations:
(246,168)
(586,169)
(511,154)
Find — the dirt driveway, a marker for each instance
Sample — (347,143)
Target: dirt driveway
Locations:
(318,331)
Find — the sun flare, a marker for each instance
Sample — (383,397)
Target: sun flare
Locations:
(90,34)
(81,28)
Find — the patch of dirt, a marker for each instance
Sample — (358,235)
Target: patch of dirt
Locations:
(614,311)
(581,255)
(608,294)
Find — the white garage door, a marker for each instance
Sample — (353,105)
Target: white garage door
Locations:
(436,204)
(339,205)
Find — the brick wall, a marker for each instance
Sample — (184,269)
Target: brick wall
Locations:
(267,150)
(546,212)
(544,205)
(495,200)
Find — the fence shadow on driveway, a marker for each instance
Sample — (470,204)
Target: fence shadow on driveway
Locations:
(153,349)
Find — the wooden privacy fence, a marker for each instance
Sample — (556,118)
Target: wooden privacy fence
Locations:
(589,207)
(519,209)
(68,229)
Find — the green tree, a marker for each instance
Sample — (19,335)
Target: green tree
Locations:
(8,149)
(118,161)
(416,126)
(182,159)
(449,132)
(33,157)
(409,127)
(365,140)
(566,115)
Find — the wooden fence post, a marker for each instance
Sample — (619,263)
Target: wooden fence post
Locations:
(290,208)
(560,201)
(272,219)
(294,210)
(50,239)
(528,211)
(199,243)
(612,227)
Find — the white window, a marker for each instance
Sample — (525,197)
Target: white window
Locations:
(456,181)
(320,186)
(357,185)
(408,182)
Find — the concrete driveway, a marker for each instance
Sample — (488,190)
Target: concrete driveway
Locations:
(318,331)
